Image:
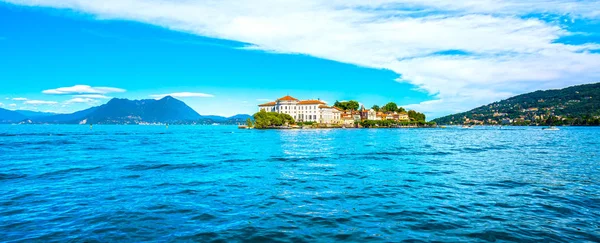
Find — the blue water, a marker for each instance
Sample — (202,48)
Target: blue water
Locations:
(218,183)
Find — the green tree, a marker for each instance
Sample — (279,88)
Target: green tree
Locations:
(376,108)
(347,105)
(341,105)
(416,116)
(249,122)
(391,107)
(353,105)
(265,119)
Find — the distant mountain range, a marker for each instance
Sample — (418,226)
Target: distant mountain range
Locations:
(576,105)
(123,111)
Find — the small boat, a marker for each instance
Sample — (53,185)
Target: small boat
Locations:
(467,126)
(551,128)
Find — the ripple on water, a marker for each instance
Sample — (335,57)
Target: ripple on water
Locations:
(207,184)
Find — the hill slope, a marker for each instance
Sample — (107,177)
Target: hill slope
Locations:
(35,114)
(65,118)
(124,111)
(8,116)
(576,105)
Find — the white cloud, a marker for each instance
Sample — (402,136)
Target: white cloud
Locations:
(511,45)
(19,99)
(40,102)
(12,105)
(1,105)
(82,89)
(93,96)
(80,100)
(183,95)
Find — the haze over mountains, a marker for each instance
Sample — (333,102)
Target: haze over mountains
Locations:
(124,111)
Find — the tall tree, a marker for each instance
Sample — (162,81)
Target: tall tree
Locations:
(376,108)
(416,116)
(391,107)
(341,105)
(352,105)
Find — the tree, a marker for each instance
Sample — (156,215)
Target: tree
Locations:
(347,105)
(341,105)
(391,107)
(265,119)
(416,116)
(249,122)
(376,108)
(353,105)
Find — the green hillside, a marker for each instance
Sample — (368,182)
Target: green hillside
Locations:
(576,105)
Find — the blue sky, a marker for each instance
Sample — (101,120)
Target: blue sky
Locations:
(225,58)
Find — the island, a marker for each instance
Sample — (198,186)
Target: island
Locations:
(290,113)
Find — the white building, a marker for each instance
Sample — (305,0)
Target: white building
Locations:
(372,115)
(303,110)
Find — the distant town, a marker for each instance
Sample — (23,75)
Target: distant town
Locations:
(290,112)
(572,106)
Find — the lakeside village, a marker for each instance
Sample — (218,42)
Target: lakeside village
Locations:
(288,113)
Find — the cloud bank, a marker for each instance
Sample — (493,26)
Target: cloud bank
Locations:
(80,100)
(463,53)
(40,102)
(83,90)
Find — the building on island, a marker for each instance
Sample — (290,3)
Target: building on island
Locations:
(304,110)
(318,111)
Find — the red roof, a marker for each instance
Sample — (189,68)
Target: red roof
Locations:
(311,102)
(288,98)
(268,104)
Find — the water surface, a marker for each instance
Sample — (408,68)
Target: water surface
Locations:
(218,183)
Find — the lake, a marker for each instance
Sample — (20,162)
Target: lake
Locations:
(217,183)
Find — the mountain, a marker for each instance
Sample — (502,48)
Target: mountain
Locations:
(8,116)
(576,105)
(239,119)
(72,118)
(124,111)
(216,119)
(35,114)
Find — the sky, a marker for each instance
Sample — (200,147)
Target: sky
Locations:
(226,57)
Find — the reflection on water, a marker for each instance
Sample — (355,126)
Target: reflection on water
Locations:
(205,183)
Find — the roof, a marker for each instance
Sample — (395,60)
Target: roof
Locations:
(268,104)
(287,98)
(324,106)
(337,108)
(311,102)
